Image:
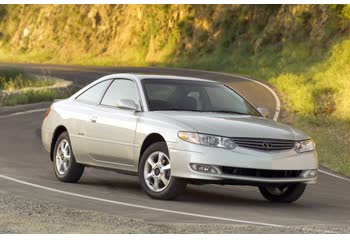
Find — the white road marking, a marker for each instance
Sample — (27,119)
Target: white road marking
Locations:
(139,206)
(23,113)
(334,175)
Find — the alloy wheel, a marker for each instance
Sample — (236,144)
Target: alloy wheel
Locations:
(157,171)
(63,157)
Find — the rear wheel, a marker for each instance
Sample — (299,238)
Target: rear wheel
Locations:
(283,193)
(64,164)
(155,173)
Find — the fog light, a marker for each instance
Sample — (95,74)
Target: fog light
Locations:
(203,168)
(309,174)
(313,173)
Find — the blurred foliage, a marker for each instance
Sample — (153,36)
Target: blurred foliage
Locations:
(342,9)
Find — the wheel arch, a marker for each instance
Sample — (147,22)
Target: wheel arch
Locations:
(58,131)
(149,140)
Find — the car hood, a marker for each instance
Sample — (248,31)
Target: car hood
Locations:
(233,125)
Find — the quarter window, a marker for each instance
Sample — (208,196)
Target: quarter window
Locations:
(121,89)
(94,94)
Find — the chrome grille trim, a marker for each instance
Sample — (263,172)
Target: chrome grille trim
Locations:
(265,144)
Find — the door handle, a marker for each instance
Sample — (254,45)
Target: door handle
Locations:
(93,119)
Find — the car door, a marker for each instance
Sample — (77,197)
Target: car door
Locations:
(111,131)
(81,109)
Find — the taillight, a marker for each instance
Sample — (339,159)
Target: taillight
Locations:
(47,112)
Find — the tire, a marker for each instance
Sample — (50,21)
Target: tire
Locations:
(65,167)
(289,194)
(158,155)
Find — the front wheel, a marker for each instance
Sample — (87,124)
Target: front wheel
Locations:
(155,173)
(283,193)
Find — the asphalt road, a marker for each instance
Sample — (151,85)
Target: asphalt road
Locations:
(29,172)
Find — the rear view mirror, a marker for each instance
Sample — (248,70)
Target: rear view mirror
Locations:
(264,111)
(127,104)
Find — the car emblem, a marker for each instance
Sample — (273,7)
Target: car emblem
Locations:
(267,145)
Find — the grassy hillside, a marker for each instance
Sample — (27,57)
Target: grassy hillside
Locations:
(303,50)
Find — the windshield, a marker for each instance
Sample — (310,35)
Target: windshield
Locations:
(182,95)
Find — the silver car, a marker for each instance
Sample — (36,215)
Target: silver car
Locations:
(173,131)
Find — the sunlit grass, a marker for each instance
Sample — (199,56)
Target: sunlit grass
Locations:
(14,79)
(33,96)
(323,89)
(33,88)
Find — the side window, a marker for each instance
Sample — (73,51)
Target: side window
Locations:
(160,92)
(121,89)
(94,94)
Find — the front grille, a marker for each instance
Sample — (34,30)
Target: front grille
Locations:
(250,172)
(265,144)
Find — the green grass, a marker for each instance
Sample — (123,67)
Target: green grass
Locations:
(14,79)
(32,86)
(321,90)
(31,96)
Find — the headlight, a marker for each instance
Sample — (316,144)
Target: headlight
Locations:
(304,146)
(207,140)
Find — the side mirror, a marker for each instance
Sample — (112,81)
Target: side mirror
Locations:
(264,112)
(127,104)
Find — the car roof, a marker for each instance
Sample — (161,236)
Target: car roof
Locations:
(138,76)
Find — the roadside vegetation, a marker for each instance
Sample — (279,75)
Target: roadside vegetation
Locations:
(14,79)
(18,87)
(301,50)
(33,96)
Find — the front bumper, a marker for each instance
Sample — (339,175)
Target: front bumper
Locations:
(184,154)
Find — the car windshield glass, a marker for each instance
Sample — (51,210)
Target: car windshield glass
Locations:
(198,96)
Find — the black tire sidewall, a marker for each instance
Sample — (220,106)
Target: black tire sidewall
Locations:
(293,193)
